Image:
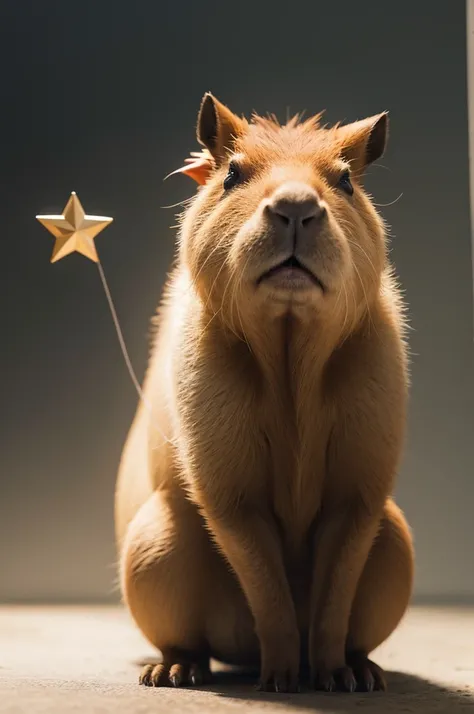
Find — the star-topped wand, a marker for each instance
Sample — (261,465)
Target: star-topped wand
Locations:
(75,231)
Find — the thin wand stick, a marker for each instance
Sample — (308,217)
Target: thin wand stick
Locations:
(123,347)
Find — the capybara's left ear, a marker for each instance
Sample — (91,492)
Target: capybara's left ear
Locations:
(364,141)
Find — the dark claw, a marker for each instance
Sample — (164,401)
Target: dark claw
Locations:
(327,685)
(369,685)
(364,679)
(278,685)
(145,676)
(349,683)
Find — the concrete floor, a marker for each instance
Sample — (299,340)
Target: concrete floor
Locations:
(57,660)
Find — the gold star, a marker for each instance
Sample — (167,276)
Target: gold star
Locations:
(74,231)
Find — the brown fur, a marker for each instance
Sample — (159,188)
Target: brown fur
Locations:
(256,523)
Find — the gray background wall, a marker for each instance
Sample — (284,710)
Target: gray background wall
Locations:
(101,98)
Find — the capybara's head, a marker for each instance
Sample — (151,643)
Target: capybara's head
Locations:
(282,224)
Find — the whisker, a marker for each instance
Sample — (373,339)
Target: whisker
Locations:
(204,329)
(214,284)
(238,292)
(392,203)
(346,303)
(364,253)
(231,303)
(184,202)
(380,166)
(218,245)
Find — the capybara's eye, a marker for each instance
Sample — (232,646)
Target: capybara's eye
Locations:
(233,177)
(345,184)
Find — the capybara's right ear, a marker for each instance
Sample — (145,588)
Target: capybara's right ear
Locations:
(218,127)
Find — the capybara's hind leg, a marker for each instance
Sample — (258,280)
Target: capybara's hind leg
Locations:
(163,571)
(382,597)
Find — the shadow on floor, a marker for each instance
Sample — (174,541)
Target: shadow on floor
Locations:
(406,693)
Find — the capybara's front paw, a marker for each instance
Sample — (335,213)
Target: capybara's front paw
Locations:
(359,674)
(369,676)
(280,664)
(328,679)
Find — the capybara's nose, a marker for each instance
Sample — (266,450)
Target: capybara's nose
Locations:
(294,206)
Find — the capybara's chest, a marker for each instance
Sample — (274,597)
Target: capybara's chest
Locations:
(297,475)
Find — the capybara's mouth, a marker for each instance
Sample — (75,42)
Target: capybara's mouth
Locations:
(291,270)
